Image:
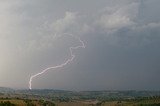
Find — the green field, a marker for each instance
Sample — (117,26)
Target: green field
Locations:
(49,97)
(133,102)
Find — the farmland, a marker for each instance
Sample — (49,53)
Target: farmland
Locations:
(49,97)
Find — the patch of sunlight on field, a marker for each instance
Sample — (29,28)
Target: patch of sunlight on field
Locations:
(71,104)
(16,102)
(36,103)
(110,104)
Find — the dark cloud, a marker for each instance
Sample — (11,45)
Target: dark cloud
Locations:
(122,44)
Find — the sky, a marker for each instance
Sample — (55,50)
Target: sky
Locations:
(122,39)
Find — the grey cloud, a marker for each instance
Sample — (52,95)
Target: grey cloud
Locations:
(121,37)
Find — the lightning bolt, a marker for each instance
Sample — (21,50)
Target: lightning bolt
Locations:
(61,65)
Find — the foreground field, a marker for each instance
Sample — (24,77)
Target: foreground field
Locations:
(14,101)
(49,97)
(22,102)
(137,102)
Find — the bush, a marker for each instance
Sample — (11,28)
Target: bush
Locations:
(6,103)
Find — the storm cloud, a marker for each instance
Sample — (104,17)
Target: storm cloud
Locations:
(122,39)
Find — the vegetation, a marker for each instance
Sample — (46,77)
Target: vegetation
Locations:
(6,103)
(139,101)
(83,98)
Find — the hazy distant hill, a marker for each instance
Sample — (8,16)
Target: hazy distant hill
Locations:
(101,95)
(62,94)
(6,90)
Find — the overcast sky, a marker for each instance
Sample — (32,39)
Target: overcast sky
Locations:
(122,39)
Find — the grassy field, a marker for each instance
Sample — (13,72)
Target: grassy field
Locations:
(19,102)
(16,102)
(140,102)
(148,102)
